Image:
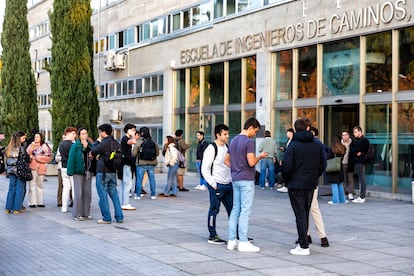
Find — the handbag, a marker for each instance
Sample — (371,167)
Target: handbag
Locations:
(334,164)
(23,170)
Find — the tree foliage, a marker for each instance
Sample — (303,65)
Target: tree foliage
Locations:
(18,111)
(75,101)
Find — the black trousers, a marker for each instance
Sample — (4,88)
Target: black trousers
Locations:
(301,201)
(223,194)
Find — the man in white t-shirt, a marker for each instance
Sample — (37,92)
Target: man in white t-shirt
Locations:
(218,177)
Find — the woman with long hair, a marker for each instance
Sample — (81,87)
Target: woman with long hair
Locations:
(79,166)
(336,178)
(40,154)
(16,185)
(171,160)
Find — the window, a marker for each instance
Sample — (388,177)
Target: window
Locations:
(147,85)
(118,88)
(307,72)
(341,67)
(218,8)
(251,79)
(406,65)
(121,39)
(130,89)
(379,63)
(194,86)
(235,73)
(146,31)
(176,24)
(111,39)
(284,75)
(111,89)
(154,25)
(138,84)
(124,88)
(186,19)
(214,84)
(102,91)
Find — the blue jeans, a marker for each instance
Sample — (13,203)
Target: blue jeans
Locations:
(106,185)
(360,171)
(126,185)
(15,194)
(140,171)
(243,195)
(338,193)
(171,187)
(267,164)
(202,180)
(224,194)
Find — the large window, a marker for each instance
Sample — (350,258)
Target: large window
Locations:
(180,88)
(405,146)
(251,79)
(379,63)
(307,72)
(214,84)
(341,67)
(194,86)
(378,132)
(284,75)
(406,65)
(235,81)
(283,121)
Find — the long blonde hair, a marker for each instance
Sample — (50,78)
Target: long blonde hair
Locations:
(14,143)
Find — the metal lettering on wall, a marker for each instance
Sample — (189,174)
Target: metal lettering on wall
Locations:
(368,17)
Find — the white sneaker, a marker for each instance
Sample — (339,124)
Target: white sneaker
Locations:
(202,188)
(64,210)
(137,197)
(197,187)
(331,202)
(128,207)
(359,200)
(282,190)
(300,251)
(350,196)
(247,247)
(231,245)
(153,197)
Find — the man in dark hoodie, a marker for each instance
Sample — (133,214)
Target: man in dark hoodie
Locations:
(302,165)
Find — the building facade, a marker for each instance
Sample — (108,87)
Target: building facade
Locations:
(192,64)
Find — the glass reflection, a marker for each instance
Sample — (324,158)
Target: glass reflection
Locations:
(307,72)
(194,87)
(406,66)
(214,84)
(405,147)
(251,79)
(284,75)
(341,67)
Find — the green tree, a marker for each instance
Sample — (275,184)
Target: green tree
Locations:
(74,98)
(18,109)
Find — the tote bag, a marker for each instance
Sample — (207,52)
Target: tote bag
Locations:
(334,164)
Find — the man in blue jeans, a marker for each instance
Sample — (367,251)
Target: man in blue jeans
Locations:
(267,165)
(218,176)
(241,158)
(146,152)
(106,177)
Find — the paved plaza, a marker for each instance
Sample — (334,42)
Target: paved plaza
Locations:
(169,237)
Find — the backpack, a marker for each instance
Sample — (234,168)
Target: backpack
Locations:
(182,162)
(2,163)
(114,162)
(148,150)
(369,158)
(215,155)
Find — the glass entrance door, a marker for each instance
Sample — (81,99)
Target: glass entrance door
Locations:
(339,118)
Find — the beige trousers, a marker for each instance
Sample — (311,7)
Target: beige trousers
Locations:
(317,216)
(35,194)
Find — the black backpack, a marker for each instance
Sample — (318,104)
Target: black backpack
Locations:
(148,150)
(114,161)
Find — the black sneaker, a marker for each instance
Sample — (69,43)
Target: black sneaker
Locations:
(216,240)
(183,190)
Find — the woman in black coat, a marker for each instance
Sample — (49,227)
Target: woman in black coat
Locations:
(336,178)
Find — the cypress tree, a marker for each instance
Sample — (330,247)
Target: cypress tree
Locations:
(74,98)
(18,111)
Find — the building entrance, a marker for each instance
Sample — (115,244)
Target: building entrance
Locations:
(339,118)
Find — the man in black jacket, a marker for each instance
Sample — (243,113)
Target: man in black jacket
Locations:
(302,165)
(358,151)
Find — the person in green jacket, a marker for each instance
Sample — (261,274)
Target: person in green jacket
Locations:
(80,167)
